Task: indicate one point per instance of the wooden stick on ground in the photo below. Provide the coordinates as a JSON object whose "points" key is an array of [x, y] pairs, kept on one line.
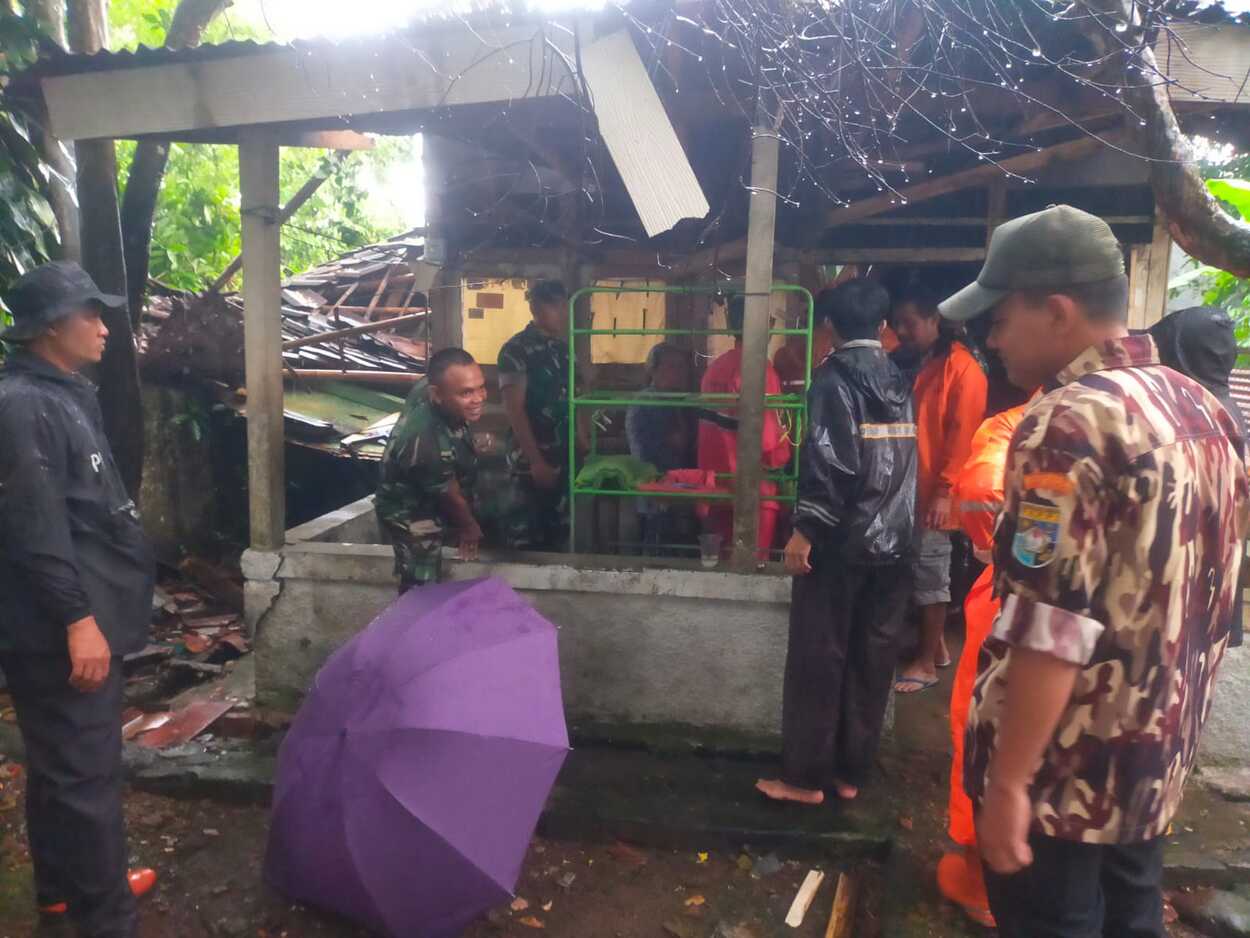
{"points": [[803, 901], [842, 921]]}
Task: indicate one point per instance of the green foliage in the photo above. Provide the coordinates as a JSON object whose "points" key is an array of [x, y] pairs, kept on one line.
{"points": [[1219, 287], [196, 231], [28, 234]]}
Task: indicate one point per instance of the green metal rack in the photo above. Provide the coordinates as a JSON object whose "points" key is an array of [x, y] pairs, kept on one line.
{"points": [[795, 403]]}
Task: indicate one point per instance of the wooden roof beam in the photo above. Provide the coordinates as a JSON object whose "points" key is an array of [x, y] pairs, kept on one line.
{"points": [[968, 178]]}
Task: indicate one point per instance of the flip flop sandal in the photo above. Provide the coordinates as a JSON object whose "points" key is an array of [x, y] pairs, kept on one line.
{"points": [[943, 665], [920, 684]]}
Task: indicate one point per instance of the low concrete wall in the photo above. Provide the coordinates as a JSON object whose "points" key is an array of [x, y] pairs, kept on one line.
{"points": [[643, 646]]}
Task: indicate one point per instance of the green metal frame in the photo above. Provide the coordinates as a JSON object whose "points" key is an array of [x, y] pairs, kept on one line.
{"points": [[620, 400]]}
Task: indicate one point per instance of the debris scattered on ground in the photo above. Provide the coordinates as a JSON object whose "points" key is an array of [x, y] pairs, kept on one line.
{"points": [[767, 865], [186, 723], [531, 922], [842, 918], [695, 901], [626, 854], [803, 899], [519, 904]]}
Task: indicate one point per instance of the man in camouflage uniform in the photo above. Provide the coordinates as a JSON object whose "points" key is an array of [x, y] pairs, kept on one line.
{"points": [[534, 381], [1117, 558], [429, 469]]}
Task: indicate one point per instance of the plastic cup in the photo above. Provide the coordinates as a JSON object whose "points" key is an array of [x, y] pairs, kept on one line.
{"points": [[709, 549]]}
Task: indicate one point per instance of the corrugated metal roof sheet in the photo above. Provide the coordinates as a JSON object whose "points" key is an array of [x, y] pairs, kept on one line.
{"points": [[644, 146]]}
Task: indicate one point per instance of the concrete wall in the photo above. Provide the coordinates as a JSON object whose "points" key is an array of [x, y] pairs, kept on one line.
{"points": [[644, 647]]}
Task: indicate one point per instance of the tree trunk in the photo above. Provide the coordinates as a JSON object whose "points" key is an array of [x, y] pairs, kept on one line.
{"points": [[143, 185], [102, 257], [1193, 216], [59, 155]]}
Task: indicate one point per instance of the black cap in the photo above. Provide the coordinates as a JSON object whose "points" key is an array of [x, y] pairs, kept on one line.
{"points": [[48, 293]]}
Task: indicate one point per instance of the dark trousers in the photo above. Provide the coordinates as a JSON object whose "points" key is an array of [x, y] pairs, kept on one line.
{"points": [[74, 792], [1075, 890], [846, 624]]}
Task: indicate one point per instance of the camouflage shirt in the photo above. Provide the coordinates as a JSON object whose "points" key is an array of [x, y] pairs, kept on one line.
{"points": [[423, 455], [1117, 551], [543, 364]]}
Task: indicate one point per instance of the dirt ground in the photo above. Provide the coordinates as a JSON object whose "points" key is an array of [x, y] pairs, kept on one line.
{"points": [[210, 858]]}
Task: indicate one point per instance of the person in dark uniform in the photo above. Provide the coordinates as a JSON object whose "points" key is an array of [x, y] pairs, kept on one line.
{"points": [[429, 469], [534, 384], [75, 596]]}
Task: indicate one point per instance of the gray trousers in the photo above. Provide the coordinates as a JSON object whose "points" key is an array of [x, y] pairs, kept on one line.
{"points": [[74, 792]]}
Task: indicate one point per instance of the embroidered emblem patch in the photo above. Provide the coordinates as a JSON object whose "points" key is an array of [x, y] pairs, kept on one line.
{"points": [[1055, 482], [1037, 535]]}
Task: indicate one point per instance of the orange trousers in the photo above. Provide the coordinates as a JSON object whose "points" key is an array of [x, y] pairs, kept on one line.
{"points": [[980, 610]]}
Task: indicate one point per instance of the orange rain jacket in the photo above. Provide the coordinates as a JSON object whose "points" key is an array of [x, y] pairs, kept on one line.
{"points": [[950, 405], [978, 497]]}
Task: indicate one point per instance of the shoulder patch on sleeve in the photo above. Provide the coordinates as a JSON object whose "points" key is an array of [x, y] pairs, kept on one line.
{"points": [[1037, 535]]}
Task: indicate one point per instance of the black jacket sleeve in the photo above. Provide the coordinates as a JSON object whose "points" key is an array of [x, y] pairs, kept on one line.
{"points": [[34, 523], [829, 462]]}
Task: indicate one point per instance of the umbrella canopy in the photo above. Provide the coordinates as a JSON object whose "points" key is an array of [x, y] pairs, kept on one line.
{"points": [[411, 781]]}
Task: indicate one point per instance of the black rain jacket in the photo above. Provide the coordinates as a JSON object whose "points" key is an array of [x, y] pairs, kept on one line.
{"points": [[70, 536], [857, 466]]}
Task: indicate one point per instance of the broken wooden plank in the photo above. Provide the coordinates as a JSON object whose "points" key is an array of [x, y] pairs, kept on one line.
{"points": [[842, 920], [378, 326], [199, 667], [149, 655], [210, 622], [803, 900]]}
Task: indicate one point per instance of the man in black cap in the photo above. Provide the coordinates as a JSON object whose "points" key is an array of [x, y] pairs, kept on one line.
{"points": [[75, 596], [1116, 555]]}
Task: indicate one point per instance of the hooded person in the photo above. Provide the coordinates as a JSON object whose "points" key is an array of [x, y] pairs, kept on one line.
{"points": [[850, 554], [1201, 343]]}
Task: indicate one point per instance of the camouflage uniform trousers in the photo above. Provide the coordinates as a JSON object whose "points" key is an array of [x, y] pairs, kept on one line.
{"points": [[536, 518], [418, 547]]}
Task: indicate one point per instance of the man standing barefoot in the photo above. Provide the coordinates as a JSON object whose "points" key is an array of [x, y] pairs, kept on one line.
{"points": [[850, 553]]}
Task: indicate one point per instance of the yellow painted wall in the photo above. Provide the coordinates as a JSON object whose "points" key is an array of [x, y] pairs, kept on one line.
{"points": [[484, 336], [626, 311]]}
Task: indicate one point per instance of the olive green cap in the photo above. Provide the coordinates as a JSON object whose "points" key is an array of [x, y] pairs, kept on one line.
{"points": [[1048, 250]]}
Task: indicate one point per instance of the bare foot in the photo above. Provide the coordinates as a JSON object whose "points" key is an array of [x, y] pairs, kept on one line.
{"points": [[846, 792], [915, 678], [780, 791]]}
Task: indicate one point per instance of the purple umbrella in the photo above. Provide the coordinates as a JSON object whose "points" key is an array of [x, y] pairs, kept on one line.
{"points": [[412, 779]]}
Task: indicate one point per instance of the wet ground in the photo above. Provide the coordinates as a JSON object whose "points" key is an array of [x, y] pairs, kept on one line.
{"points": [[709, 859]]}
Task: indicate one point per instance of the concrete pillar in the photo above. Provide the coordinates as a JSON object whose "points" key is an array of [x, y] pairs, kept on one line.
{"points": [[262, 321]]}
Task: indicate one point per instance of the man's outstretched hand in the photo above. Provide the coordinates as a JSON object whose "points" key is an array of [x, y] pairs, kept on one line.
{"points": [[89, 655]]}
